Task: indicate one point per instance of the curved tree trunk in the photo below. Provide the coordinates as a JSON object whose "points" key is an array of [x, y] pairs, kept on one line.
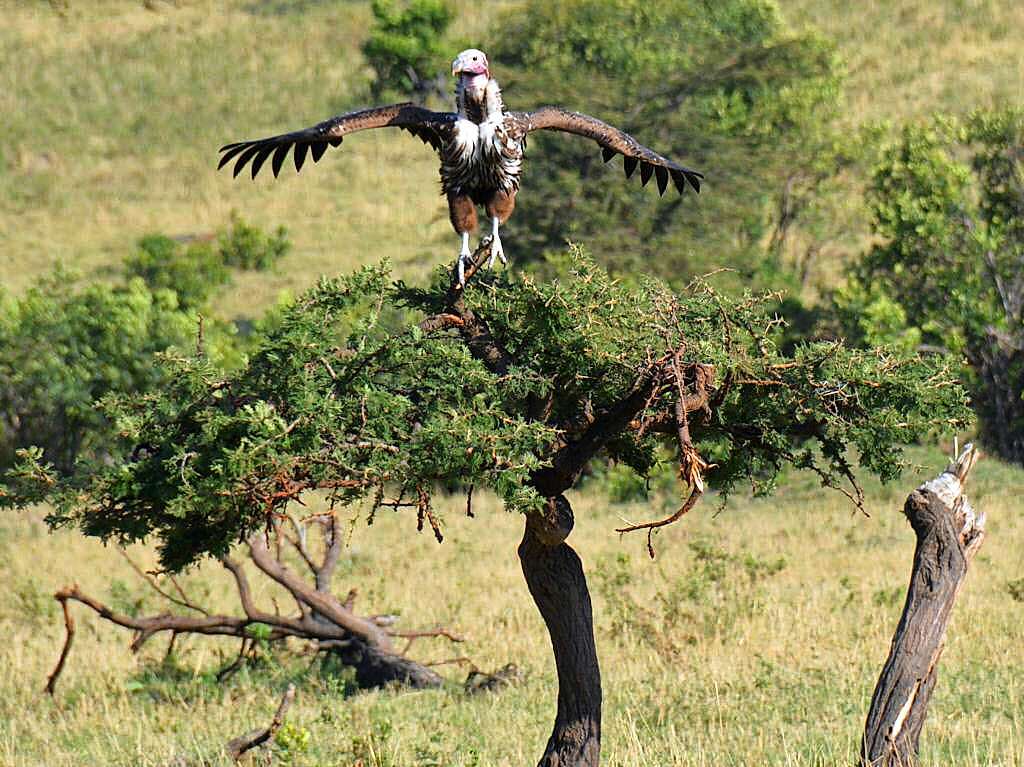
{"points": [[554, 575], [949, 534]]}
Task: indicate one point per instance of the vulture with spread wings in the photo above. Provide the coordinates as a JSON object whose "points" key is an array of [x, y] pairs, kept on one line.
{"points": [[480, 145]]}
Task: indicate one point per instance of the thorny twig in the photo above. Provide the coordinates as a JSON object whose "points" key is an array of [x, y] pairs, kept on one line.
{"points": [[148, 578]]}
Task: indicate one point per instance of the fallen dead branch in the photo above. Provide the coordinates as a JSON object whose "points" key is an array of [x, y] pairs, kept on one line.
{"points": [[364, 642]]}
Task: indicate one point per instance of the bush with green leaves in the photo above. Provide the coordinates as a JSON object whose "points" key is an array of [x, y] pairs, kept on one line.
{"points": [[947, 201], [193, 272], [406, 46], [368, 389], [244, 246], [726, 88], [65, 345], [198, 269]]}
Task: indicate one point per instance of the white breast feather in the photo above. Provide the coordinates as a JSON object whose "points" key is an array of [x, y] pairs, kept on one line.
{"points": [[486, 154], [467, 138]]}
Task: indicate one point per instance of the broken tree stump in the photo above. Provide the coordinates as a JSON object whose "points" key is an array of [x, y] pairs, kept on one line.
{"points": [[949, 534]]}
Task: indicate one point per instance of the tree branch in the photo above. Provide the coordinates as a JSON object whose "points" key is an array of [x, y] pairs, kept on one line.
{"points": [[238, 746], [321, 602]]}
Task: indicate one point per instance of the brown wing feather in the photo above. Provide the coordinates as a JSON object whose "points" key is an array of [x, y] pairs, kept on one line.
{"points": [[431, 127], [613, 141]]}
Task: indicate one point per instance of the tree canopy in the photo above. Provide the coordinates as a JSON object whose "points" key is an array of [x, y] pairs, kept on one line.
{"points": [[65, 344], [727, 88], [368, 389], [947, 202]]}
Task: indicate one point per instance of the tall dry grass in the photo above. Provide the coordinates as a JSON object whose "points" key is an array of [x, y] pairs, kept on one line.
{"points": [[755, 638]]}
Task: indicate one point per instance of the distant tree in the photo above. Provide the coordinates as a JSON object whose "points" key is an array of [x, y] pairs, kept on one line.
{"points": [[368, 390], [947, 201], [406, 45], [725, 87]]}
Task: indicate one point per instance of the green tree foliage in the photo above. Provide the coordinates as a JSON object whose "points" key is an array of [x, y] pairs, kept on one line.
{"points": [[65, 345], [364, 389], [406, 45], [725, 88], [947, 201], [244, 246], [193, 272]]}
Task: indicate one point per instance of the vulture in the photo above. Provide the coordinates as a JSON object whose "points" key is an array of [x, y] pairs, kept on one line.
{"points": [[480, 145]]}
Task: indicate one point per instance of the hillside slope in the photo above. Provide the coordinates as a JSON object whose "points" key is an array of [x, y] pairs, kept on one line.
{"points": [[113, 114]]}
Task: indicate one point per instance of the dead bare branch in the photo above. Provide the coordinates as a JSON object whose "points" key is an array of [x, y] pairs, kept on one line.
{"points": [[650, 527], [238, 746], [364, 642], [69, 627]]}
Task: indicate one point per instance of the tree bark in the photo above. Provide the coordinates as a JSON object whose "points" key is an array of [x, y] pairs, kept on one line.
{"points": [[948, 536], [554, 575]]}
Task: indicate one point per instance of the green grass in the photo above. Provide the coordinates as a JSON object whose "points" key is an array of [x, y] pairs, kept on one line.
{"points": [[746, 666], [909, 58], [113, 114]]}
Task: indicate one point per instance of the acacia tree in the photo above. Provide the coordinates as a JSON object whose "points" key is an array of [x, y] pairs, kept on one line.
{"points": [[368, 390]]}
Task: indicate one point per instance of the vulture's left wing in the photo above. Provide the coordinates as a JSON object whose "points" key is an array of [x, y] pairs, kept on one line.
{"points": [[613, 141], [431, 127]]}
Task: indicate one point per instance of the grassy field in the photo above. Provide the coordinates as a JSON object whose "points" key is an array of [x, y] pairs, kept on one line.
{"points": [[755, 638], [912, 57], [112, 114]]}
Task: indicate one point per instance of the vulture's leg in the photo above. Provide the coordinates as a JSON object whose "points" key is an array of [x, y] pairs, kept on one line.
{"points": [[462, 212], [499, 208]]}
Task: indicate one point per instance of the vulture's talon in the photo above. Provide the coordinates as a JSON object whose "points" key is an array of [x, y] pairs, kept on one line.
{"points": [[496, 250]]}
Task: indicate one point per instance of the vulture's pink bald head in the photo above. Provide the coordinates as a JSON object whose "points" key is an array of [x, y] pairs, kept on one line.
{"points": [[471, 65], [471, 62]]}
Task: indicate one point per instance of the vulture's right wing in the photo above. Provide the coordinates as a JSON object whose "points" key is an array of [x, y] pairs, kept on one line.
{"points": [[430, 127], [613, 141]]}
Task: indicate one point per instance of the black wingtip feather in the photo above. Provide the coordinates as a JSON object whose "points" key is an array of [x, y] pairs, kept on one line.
{"points": [[678, 180], [607, 153], [662, 173], [279, 155], [300, 155], [260, 158], [629, 164], [646, 170], [232, 151], [694, 179], [243, 159], [317, 150]]}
